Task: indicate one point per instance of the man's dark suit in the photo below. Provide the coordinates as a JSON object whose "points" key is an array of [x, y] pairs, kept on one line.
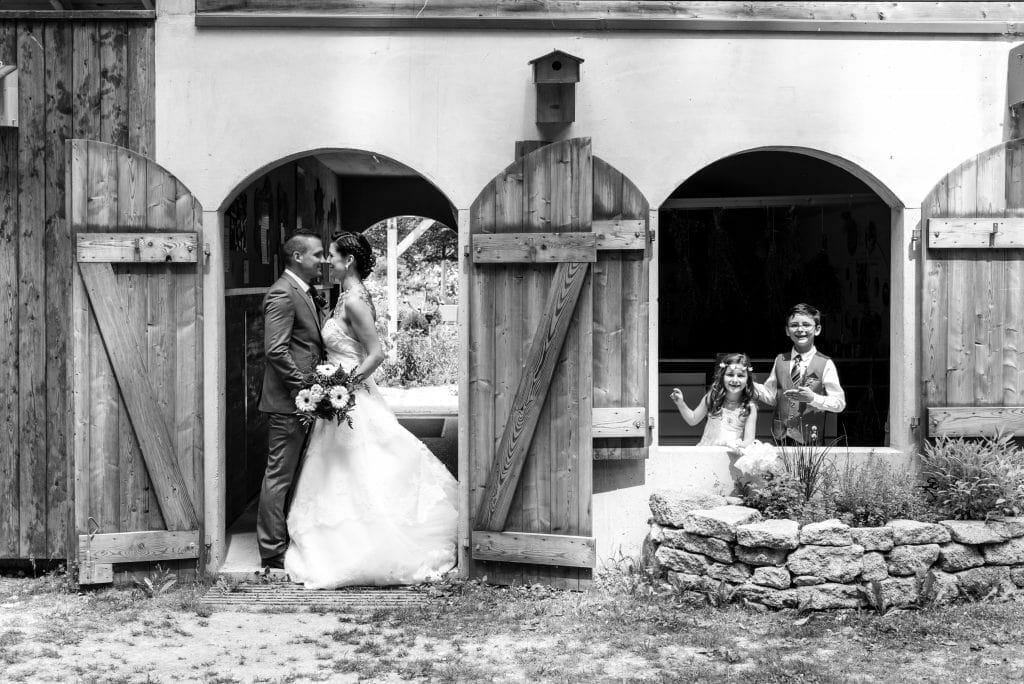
{"points": [[293, 347]]}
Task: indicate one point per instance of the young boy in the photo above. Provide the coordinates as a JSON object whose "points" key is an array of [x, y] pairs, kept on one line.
{"points": [[807, 379]]}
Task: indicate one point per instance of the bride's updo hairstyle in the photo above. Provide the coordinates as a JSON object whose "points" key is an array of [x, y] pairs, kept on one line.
{"points": [[356, 245]]}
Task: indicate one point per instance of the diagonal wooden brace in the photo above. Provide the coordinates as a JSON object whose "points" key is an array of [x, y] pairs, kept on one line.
{"points": [[530, 394]]}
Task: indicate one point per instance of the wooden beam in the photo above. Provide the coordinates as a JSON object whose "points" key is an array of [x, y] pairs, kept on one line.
{"points": [[540, 549], [947, 18], [59, 5], [976, 233], [154, 436], [621, 234], [78, 15], [551, 248], [975, 421], [138, 247], [530, 394], [770, 201], [414, 235], [627, 421], [140, 547]]}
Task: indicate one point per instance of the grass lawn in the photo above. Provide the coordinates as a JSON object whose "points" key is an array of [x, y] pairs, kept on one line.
{"points": [[620, 630]]}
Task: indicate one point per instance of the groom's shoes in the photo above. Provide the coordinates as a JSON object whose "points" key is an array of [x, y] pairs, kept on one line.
{"points": [[274, 563]]}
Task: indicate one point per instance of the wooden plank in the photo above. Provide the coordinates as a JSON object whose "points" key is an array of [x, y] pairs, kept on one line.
{"points": [[141, 88], [751, 202], [79, 363], [975, 421], [990, 200], [621, 234], [976, 233], [106, 401], [140, 397], [78, 16], [512, 307], [607, 309], [9, 513], [113, 39], [635, 320], [59, 273], [179, 248], [188, 363], [951, 18], [141, 547], [537, 372], [934, 307], [86, 79], [626, 421], [548, 248], [542, 549], [1013, 283], [961, 198], [32, 289]]}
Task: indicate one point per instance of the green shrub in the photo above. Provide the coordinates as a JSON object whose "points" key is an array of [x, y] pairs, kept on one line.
{"points": [[779, 496], [873, 492], [974, 479], [430, 358]]}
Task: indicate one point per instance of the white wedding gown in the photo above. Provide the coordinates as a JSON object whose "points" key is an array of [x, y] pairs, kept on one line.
{"points": [[372, 505]]}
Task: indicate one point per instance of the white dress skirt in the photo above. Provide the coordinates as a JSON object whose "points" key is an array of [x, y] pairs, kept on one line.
{"points": [[372, 505]]}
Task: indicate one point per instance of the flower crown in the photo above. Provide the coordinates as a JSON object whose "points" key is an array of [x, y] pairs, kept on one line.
{"points": [[722, 364]]}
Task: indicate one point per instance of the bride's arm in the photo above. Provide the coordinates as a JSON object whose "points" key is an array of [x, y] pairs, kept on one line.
{"points": [[360, 317]]}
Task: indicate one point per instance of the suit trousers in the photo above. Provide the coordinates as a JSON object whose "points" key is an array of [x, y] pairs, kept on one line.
{"points": [[286, 440]]}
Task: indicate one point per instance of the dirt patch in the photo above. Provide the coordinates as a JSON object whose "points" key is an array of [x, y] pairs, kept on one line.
{"points": [[51, 632]]}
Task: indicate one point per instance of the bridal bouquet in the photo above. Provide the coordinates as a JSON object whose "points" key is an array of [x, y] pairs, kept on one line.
{"points": [[330, 394]]}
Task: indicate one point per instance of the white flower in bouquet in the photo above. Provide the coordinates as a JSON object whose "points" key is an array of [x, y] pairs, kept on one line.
{"points": [[304, 401], [758, 458], [317, 393], [338, 396], [326, 369]]}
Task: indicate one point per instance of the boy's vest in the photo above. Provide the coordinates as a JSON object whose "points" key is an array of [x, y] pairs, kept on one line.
{"points": [[794, 419]]}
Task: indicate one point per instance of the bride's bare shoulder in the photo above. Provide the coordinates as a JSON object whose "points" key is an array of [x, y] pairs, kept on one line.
{"points": [[358, 298]]}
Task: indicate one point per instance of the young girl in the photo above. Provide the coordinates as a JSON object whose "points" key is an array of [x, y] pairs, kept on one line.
{"points": [[729, 405]]}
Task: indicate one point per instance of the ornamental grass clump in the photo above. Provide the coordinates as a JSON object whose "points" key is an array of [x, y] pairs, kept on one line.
{"points": [[974, 479]]}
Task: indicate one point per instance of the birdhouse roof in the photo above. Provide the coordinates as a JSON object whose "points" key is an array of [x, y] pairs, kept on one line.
{"points": [[557, 53]]}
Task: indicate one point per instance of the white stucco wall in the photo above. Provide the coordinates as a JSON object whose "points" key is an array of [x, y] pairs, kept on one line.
{"points": [[659, 107]]}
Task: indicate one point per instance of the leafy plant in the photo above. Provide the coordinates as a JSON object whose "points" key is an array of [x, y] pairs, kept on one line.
{"points": [[158, 582], [780, 496], [873, 492], [430, 358], [972, 479], [721, 595]]}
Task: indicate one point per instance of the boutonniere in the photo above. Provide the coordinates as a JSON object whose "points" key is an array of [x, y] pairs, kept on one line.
{"points": [[318, 298]]}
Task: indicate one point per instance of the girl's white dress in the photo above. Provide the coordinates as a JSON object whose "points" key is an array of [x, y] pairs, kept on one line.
{"points": [[725, 429], [372, 505]]}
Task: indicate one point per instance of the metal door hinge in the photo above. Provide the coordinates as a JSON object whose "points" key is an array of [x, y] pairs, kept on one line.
{"points": [[915, 424], [915, 238], [651, 234]]}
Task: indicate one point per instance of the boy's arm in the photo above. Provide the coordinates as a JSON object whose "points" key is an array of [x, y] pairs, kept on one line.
{"points": [[767, 392], [834, 399]]}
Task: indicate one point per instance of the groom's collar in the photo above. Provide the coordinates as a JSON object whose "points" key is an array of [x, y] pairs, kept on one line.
{"points": [[303, 285]]}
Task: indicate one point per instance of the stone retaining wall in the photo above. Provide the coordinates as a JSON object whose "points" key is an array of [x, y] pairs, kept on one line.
{"points": [[699, 540]]}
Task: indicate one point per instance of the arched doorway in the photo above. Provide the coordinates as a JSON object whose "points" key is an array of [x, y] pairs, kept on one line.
{"points": [[743, 240], [321, 192]]}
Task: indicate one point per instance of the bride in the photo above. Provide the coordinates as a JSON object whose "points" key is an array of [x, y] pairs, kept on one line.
{"points": [[372, 505]]}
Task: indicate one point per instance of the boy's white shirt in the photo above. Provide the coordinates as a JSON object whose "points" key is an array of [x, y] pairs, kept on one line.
{"points": [[834, 399]]}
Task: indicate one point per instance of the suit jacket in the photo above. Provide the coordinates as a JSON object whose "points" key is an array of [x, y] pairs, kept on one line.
{"points": [[291, 342]]}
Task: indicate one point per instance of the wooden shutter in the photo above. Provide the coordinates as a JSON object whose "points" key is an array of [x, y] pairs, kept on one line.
{"points": [[136, 364], [535, 252], [973, 296]]}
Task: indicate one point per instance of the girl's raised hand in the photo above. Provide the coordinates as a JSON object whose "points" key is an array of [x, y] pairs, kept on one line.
{"points": [[676, 396]]}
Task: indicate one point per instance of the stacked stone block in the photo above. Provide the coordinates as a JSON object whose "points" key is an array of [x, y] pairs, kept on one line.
{"points": [[699, 540]]}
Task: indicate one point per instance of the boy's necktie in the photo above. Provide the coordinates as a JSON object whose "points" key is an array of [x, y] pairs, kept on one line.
{"points": [[794, 371]]}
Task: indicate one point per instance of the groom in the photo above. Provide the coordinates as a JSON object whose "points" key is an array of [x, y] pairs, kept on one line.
{"points": [[293, 347]]}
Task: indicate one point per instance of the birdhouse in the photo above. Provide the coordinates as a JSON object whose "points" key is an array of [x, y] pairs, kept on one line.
{"points": [[556, 75]]}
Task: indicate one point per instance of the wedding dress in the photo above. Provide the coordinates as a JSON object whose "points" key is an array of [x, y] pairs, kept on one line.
{"points": [[372, 505]]}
